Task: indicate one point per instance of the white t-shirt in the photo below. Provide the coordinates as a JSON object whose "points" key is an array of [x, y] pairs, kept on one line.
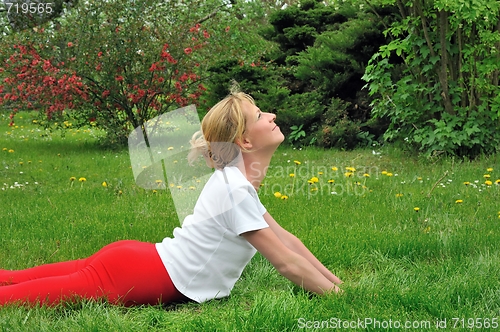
{"points": [[207, 255]]}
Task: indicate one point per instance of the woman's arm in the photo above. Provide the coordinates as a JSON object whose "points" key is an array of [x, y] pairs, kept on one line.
{"points": [[290, 264], [294, 244]]}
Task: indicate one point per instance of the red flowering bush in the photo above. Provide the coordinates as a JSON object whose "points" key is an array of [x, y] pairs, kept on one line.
{"points": [[116, 64]]}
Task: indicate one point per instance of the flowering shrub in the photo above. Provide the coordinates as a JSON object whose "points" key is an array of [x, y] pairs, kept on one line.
{"points": [[114, 64]]}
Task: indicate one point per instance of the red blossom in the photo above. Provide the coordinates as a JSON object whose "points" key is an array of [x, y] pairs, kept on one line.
{"points": [[188, 50], [70, 44], [119, 78], [206, 34], [227, 28]]}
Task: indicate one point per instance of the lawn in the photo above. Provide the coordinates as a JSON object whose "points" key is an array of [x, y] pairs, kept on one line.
{"points": [[416, 240]]}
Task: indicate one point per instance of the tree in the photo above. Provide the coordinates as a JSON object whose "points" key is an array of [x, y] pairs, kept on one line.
{"points": [[444, 96], [134, 61]]}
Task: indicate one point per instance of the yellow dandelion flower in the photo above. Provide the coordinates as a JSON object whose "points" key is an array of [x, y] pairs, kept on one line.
{"points": [[277, 194], [192, 188], [172, 185], [11, 151], [467, 183], [384, 172], [155, 191], [458, 201], [297, 162], [486, 176], [389, 174], [497, 181], [104, 184], [292, 175], [82, 179], [314, 179], [72, 178], [120, 192], [427, 229], [416, 209], [284, 197], [350, 169], [314, 189], [399, 195], [488, 182], [366, 175], [348, 174], [21, 163], [4, 149], [331, 181], [320, 173], [158, 182], [334, 169], [170, 148], [419, 179], [489, 169]]}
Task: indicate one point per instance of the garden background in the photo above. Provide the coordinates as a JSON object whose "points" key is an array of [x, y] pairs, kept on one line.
{"points": [[389, 172]]}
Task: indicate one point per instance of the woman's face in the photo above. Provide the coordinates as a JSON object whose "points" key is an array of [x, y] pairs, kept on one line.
{"points": [[261, 130]]}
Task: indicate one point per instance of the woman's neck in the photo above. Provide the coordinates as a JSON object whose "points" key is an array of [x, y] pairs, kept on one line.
{"points": [[255, 168]]}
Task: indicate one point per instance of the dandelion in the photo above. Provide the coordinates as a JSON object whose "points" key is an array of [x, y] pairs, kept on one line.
{"points": [[416, 209], [284, 197], [419, 179], [179, 187], [4, 149], [488, 182], [489, 169], [331, 181], [11, 151], [104, 184], [486, 176], [467, 183], [350, 169], [399, 195], [170, 148], [384, 172], [320, 173], [292, 175], [277, 194], [314, 179], [192, 188], [348, 174], [334, 169], [297, 162], [366, 175], [427, 229], [155, 191], [82, 179], [72, 179], [21, 163], [459, 201], [497, 181], [389, 174], [120, 192]]}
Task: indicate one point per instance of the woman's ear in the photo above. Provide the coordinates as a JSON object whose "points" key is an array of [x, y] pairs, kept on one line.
{"points": [[244, 143]]}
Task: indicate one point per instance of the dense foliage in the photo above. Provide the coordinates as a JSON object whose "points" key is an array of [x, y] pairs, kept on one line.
{"points": [[442, 94], [338, 74]]}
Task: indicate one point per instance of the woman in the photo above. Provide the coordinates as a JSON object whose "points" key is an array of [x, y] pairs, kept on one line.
{"points": [[206, 256]]}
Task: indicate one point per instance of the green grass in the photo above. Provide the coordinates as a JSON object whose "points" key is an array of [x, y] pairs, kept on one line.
{"points": [[399, 265]]}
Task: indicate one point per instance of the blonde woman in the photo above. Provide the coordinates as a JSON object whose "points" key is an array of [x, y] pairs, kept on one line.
{"points": [[206, 256]]}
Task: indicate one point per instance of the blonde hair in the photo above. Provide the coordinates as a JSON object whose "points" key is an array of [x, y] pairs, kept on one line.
{"points": [[221, 129]]}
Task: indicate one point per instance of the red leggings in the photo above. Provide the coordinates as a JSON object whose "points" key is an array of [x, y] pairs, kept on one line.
{"points": [[125, 272]]}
